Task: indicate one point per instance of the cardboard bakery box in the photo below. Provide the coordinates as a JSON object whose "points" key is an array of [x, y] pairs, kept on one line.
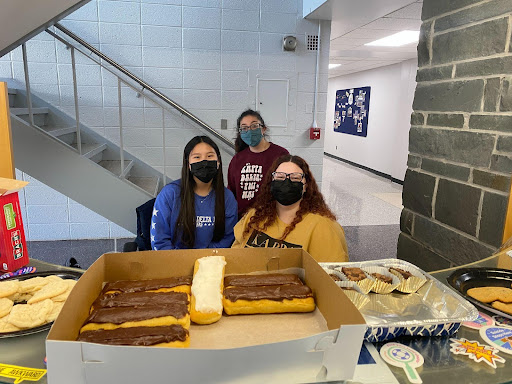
{"points": [[13, 247], [286, 348]]}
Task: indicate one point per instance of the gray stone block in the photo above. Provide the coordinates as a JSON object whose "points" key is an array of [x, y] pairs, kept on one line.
{"points": [[418, 191], [501, 163], [457, 205], [463, 96], [480, 12], [446, 120], [445, 169], [436, 73], [506, 96], [485, 67], [472, 148], [413, 161], [437, 7], [491, 122], [417, 118], [461, 44], [452, 245], [406, 221], [491, 180], [504, 144], [491, 93], [418, 254], [424, 44], [492, 222]]}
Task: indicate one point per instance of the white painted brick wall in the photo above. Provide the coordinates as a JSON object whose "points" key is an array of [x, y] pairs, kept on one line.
{"points": [[200, 53]]}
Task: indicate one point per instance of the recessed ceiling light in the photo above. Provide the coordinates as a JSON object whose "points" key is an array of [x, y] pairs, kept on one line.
{"points": [[397, 40], [332, 66]]}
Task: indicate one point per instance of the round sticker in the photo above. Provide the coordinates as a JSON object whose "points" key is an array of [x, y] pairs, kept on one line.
{"points": [[498, 337], [482, 320], [404, 357]]}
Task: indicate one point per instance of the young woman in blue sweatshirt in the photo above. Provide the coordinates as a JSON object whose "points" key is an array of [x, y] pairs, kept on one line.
{"points": [[196, 211]]}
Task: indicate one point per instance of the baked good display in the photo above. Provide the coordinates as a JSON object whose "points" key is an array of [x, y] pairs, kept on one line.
{"points": [[207, 286], [410, 280], [383, 278], [141, 312], [32, 302], [358, 276], [266, 295], [384, 281]]}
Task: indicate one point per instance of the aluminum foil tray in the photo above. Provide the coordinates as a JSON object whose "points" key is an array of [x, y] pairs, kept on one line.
{"points": [[434, 310]]}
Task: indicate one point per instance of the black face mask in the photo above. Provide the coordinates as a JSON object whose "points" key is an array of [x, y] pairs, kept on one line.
{"points": [[204, 170], [286, 192]]}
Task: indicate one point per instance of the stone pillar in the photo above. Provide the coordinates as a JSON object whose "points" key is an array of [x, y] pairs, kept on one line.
{"points": [[457, 184]]}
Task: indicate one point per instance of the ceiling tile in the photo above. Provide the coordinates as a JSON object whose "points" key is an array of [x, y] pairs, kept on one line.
{"points": [[412, 11], [393, 24]]}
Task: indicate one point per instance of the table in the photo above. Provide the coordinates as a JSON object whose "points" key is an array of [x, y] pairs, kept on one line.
{"points": [[441, 366]]}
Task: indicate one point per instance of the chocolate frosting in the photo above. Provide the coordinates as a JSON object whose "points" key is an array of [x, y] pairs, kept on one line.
{"points": [[269, 292], [147, 285], [118, 315], [141, 336], [259, 280], [405, 274], [139, 299], [354, 273]]}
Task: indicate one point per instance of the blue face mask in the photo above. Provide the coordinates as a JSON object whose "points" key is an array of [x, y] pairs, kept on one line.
{"points": [[252, 137]]}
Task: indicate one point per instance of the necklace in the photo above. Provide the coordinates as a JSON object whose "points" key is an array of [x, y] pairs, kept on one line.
{"points": [[204, 199]]}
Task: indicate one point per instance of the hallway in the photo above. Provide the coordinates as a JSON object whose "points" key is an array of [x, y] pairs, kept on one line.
{"points": [[367, 206]]}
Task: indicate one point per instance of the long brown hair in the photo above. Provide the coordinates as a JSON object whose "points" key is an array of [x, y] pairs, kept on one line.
{"points": [[186, 223], [265, 205], [240, 145]]}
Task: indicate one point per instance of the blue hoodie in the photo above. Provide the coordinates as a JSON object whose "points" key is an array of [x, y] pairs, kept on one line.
{"points": [[166, 211]]}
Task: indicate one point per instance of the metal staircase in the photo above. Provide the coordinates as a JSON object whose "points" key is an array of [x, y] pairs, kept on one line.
{"points": [[62, 152]]}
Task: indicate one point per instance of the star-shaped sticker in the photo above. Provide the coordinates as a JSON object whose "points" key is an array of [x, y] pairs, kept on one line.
{"points": [[475, 351], [155, 212]]}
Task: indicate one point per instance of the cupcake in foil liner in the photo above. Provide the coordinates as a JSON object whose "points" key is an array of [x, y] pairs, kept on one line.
{"points": [[410, 284], [381, 286], [354, 293], [365, 284]]}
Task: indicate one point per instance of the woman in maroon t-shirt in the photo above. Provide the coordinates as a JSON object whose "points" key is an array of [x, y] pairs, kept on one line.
{"points": [[253, 158]]}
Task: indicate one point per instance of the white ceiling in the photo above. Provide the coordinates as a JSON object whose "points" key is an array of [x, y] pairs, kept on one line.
{"points": [[353, 26]]}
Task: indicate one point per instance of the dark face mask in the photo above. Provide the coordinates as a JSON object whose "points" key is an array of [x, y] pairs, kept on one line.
{"points": [[286, 192], [204, 170]]}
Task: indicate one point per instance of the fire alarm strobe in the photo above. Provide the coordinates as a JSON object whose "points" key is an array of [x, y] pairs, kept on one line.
{"points": [[289, 43]]}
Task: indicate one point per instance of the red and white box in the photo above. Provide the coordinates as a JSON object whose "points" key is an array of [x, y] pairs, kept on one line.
{"points": [[13, 247]]}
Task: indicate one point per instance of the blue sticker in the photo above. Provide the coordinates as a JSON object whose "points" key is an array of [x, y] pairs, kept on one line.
{"points": [[498, 337]]}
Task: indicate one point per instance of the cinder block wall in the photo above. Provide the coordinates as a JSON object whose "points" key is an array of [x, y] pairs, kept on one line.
{"points": [[457, 184], [204, 55]]}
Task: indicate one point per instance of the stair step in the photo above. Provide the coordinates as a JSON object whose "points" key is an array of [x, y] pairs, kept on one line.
{"points": [[149, 184], [24, 111], [59, 131], [90, 150], [114, 166]]}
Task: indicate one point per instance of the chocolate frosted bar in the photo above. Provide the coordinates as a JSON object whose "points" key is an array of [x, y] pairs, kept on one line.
{"points": [[269, 292], [147, 285], [260, 280], [140, 336]]}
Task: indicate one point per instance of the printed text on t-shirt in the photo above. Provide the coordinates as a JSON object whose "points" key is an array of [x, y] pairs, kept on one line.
{"points": [[251, 176]]}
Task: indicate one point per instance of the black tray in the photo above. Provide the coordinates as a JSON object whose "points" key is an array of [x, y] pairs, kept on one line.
{"points": [[62, 274], [466, 278]]}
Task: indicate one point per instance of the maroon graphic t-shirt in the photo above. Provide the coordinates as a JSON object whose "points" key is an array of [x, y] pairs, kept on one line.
{"points": [[246, 172]]}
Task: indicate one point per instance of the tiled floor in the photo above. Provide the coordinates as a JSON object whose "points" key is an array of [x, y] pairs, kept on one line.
{"points": [[367, 206]]}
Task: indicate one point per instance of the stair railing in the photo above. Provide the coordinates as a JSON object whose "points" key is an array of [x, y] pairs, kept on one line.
{"points": [[156, 97]]}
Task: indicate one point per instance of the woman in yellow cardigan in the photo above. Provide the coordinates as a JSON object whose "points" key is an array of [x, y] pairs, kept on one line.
{"points": [[290, 212]]}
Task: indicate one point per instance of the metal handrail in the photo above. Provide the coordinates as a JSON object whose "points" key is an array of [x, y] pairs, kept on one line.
{"points": [[143, 84]]}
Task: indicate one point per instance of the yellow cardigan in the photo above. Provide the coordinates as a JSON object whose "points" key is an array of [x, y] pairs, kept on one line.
{"points": [[321, 237]]}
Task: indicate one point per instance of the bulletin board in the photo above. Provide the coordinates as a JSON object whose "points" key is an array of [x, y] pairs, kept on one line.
{"points": [[351, 111]]}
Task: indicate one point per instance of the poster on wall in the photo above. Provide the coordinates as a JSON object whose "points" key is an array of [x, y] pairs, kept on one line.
{"points": [[351, 110]]}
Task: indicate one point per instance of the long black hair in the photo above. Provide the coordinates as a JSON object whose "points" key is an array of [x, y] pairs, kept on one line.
{"points": [[186, 223], [240, 145]]}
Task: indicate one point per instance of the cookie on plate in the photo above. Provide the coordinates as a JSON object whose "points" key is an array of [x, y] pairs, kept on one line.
{"points": [[490, 294]]}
